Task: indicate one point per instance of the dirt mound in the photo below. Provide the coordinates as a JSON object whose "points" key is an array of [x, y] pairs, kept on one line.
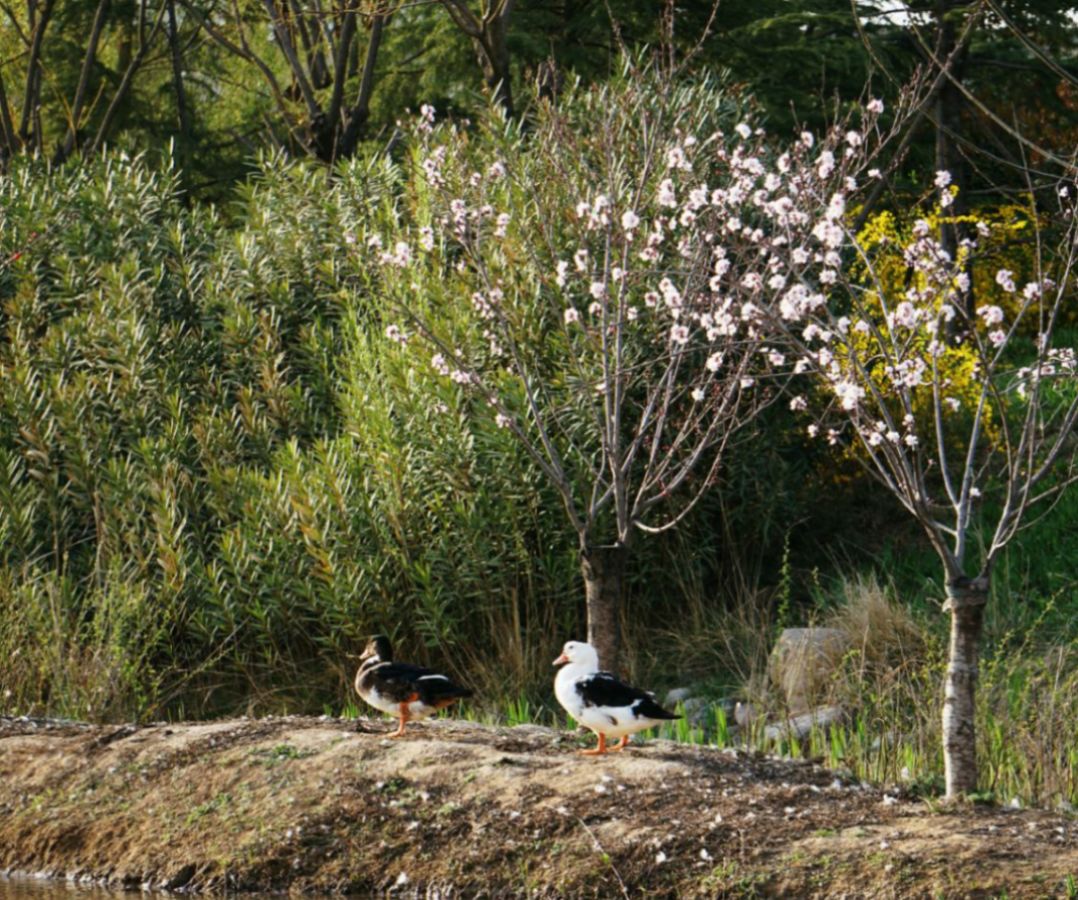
{"points": [[461, 810]]}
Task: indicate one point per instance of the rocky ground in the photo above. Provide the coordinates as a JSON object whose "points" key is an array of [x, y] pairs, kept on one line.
{"points": [[463, 810]]}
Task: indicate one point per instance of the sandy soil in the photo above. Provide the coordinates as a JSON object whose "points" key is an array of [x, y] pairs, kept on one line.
{"points": [[461, 810]]}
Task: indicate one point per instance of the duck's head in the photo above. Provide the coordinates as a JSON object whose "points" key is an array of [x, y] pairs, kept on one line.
{"points": [[578, 653], [378, 647]]}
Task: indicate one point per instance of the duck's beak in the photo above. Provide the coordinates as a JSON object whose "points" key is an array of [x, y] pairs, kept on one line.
{"points": [[560, 660]]}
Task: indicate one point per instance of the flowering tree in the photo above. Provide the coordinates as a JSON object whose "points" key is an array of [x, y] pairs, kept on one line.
{"points": [[599, 289], [965, 415]]}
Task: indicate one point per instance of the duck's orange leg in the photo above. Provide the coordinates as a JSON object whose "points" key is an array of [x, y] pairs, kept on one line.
{"points": [[622, 744], [403, 716], [595, 751]]}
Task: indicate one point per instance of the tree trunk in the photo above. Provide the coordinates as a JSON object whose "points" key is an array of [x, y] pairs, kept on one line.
{"points": [[494, 59], [176, 54], [966, 600], [356, 117], [604, 577]]}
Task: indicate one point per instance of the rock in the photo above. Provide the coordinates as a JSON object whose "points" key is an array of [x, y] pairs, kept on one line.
{"points": [[800, 726], [802, 663], [674, 696]]}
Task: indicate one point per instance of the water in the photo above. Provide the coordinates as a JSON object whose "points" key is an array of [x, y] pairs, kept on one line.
{"points": [[50, 889]]}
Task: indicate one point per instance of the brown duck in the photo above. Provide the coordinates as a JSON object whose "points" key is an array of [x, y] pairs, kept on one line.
{"points": [[408, 692]]}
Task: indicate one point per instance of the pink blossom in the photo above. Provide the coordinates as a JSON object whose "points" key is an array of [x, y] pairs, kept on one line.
{"points": [[629, 220], [679, 334], [1005, 279], [874, 106], [676, 159], [992, 315], [905, 314], [571, 315], [698, 198], [798, 403], [667, 195], [849, 394]]}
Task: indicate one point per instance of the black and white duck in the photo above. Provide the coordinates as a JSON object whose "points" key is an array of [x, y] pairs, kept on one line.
{"points": [[600, 702], [408, 692]]}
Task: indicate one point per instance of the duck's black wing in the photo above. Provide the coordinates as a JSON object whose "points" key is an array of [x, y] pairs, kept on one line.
{"points": [[400, 681], [603, 689]]}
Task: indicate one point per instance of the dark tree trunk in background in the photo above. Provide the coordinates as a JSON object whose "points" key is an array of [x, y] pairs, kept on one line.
{"points": [[490, 34], [360, 111], [604, 579], [966, 599], [70, 142], [176, 55], [494, 59]]}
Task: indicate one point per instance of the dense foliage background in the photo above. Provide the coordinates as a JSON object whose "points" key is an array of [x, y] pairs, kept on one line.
{"points": [[217, 473]]}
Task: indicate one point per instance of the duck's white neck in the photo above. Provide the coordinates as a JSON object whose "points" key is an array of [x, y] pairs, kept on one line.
{"points": [[573, 671]]}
